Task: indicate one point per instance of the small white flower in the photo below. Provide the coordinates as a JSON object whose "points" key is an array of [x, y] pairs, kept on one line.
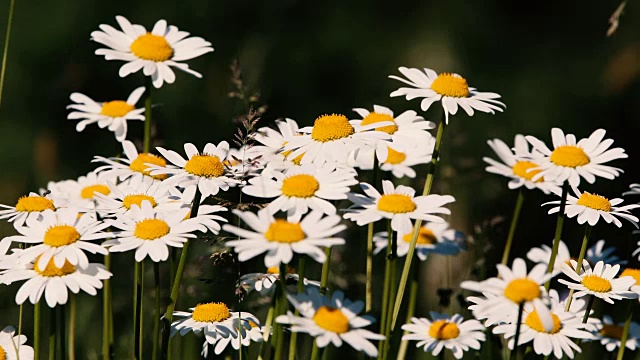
{"points": [[434, 238], [30, 207], [110, 114], [14, 347], [273, 142], [153, 52], [597, 252], [610, 334], [407, 126], [398, 204], [264, 282], [120, 198], [331, 319], [395, 156], [451, 89], [135, 168], [81, 193], [599, 281], [444, 331]]}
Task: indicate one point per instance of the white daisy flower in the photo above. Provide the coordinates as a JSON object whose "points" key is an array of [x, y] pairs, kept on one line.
{"points": [[52, 281], [206, 169], [570, 160], [152, 52], [507, 291], [243, 163], [516, 167], [30, 207], [407, 126], [151, 232], [397, 157], [635, 274], [590, 207], [63, 235], [219, 324], [398, 204], [597, 252], [610, 334], [120, 198], [110, 114], [551, 330], [264, 282], [598, 281], [331, 319], [252, 332], [135, 168], [273, 141], [14, 347], [298, 189], [434, 238], [332, 138], [280, 238], [81, 193], [444, 331], [451, 89]]}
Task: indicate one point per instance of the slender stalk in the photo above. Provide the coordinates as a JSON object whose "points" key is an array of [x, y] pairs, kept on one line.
{"points": [[416, 228], [516, 338], [156, 317], [316, 352], [175, 287], [294, 335], [369, 286], [413, 296], [588, 310], [386, 293], [625, 334], [324, 279], [19, 329], [283, 306], [52, 334], [558, 235], [5, 53], [391, 259], [512, 228], [36, 331], [72, 327], [106, 320], [63, 331], [137, 309], [147, 114], [267, 331], [583, 251]]}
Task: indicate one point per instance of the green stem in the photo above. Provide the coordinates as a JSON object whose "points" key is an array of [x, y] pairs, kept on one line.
{"points": [[512, 228], [19, 330], [175, 287], [370, 228], [294, 335], [147, 115], [62, 331], [137, 311], [72, 327], [386, 293], [267, 331], [324, 279], [52, 334], [416, 228], [106, 322], [413, 296], [391, 259], [316, 352], [558, 235], [283, 308], [156, 317], [36, 331], [625, 334], [516, 338], [592, 298], [6, 47], [583, 251]]}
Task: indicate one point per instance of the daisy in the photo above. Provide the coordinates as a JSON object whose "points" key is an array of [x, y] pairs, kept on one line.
{"points": [[120, 198], [206, 169], [610, 334], [444, 331], [434, 238], [397, 157], [112, 114], [570, 160], [516, 167], [599, 281], [398, 204], [331, 138], [550, 329], [590, 207], [407, 126], [13, 347], [263, 283], [64, 236], [252, 333], [30, 207], [597, 252], [219, 324], [151, 232], [634, 273], [273, 141], [243, 163], [298, 189], [331, 319], [280, 238], [452, 89], [153, 52], [135, 168], [51, 280], [81, 193]]}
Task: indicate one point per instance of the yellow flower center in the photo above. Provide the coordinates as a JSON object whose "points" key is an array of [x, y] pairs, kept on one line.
{"points": [[612, 331], [116, 108], [137, 199], [301, 185], [375, 117], [395, 157], [634, 273], [276, 270], [211, 312], [533, 321], [521, 290], [34, 203], [283, 231], [569, 156], [61, 235], [3, 354], [205, 166], [452, 85], [331, 127], [89, 191], [331, 319], [596, 283], [594, 201], [152, 47], [444, 330], [396, 203], [138, 164], [521, 169], [151, 229], [51, 270], [425, 237]]}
